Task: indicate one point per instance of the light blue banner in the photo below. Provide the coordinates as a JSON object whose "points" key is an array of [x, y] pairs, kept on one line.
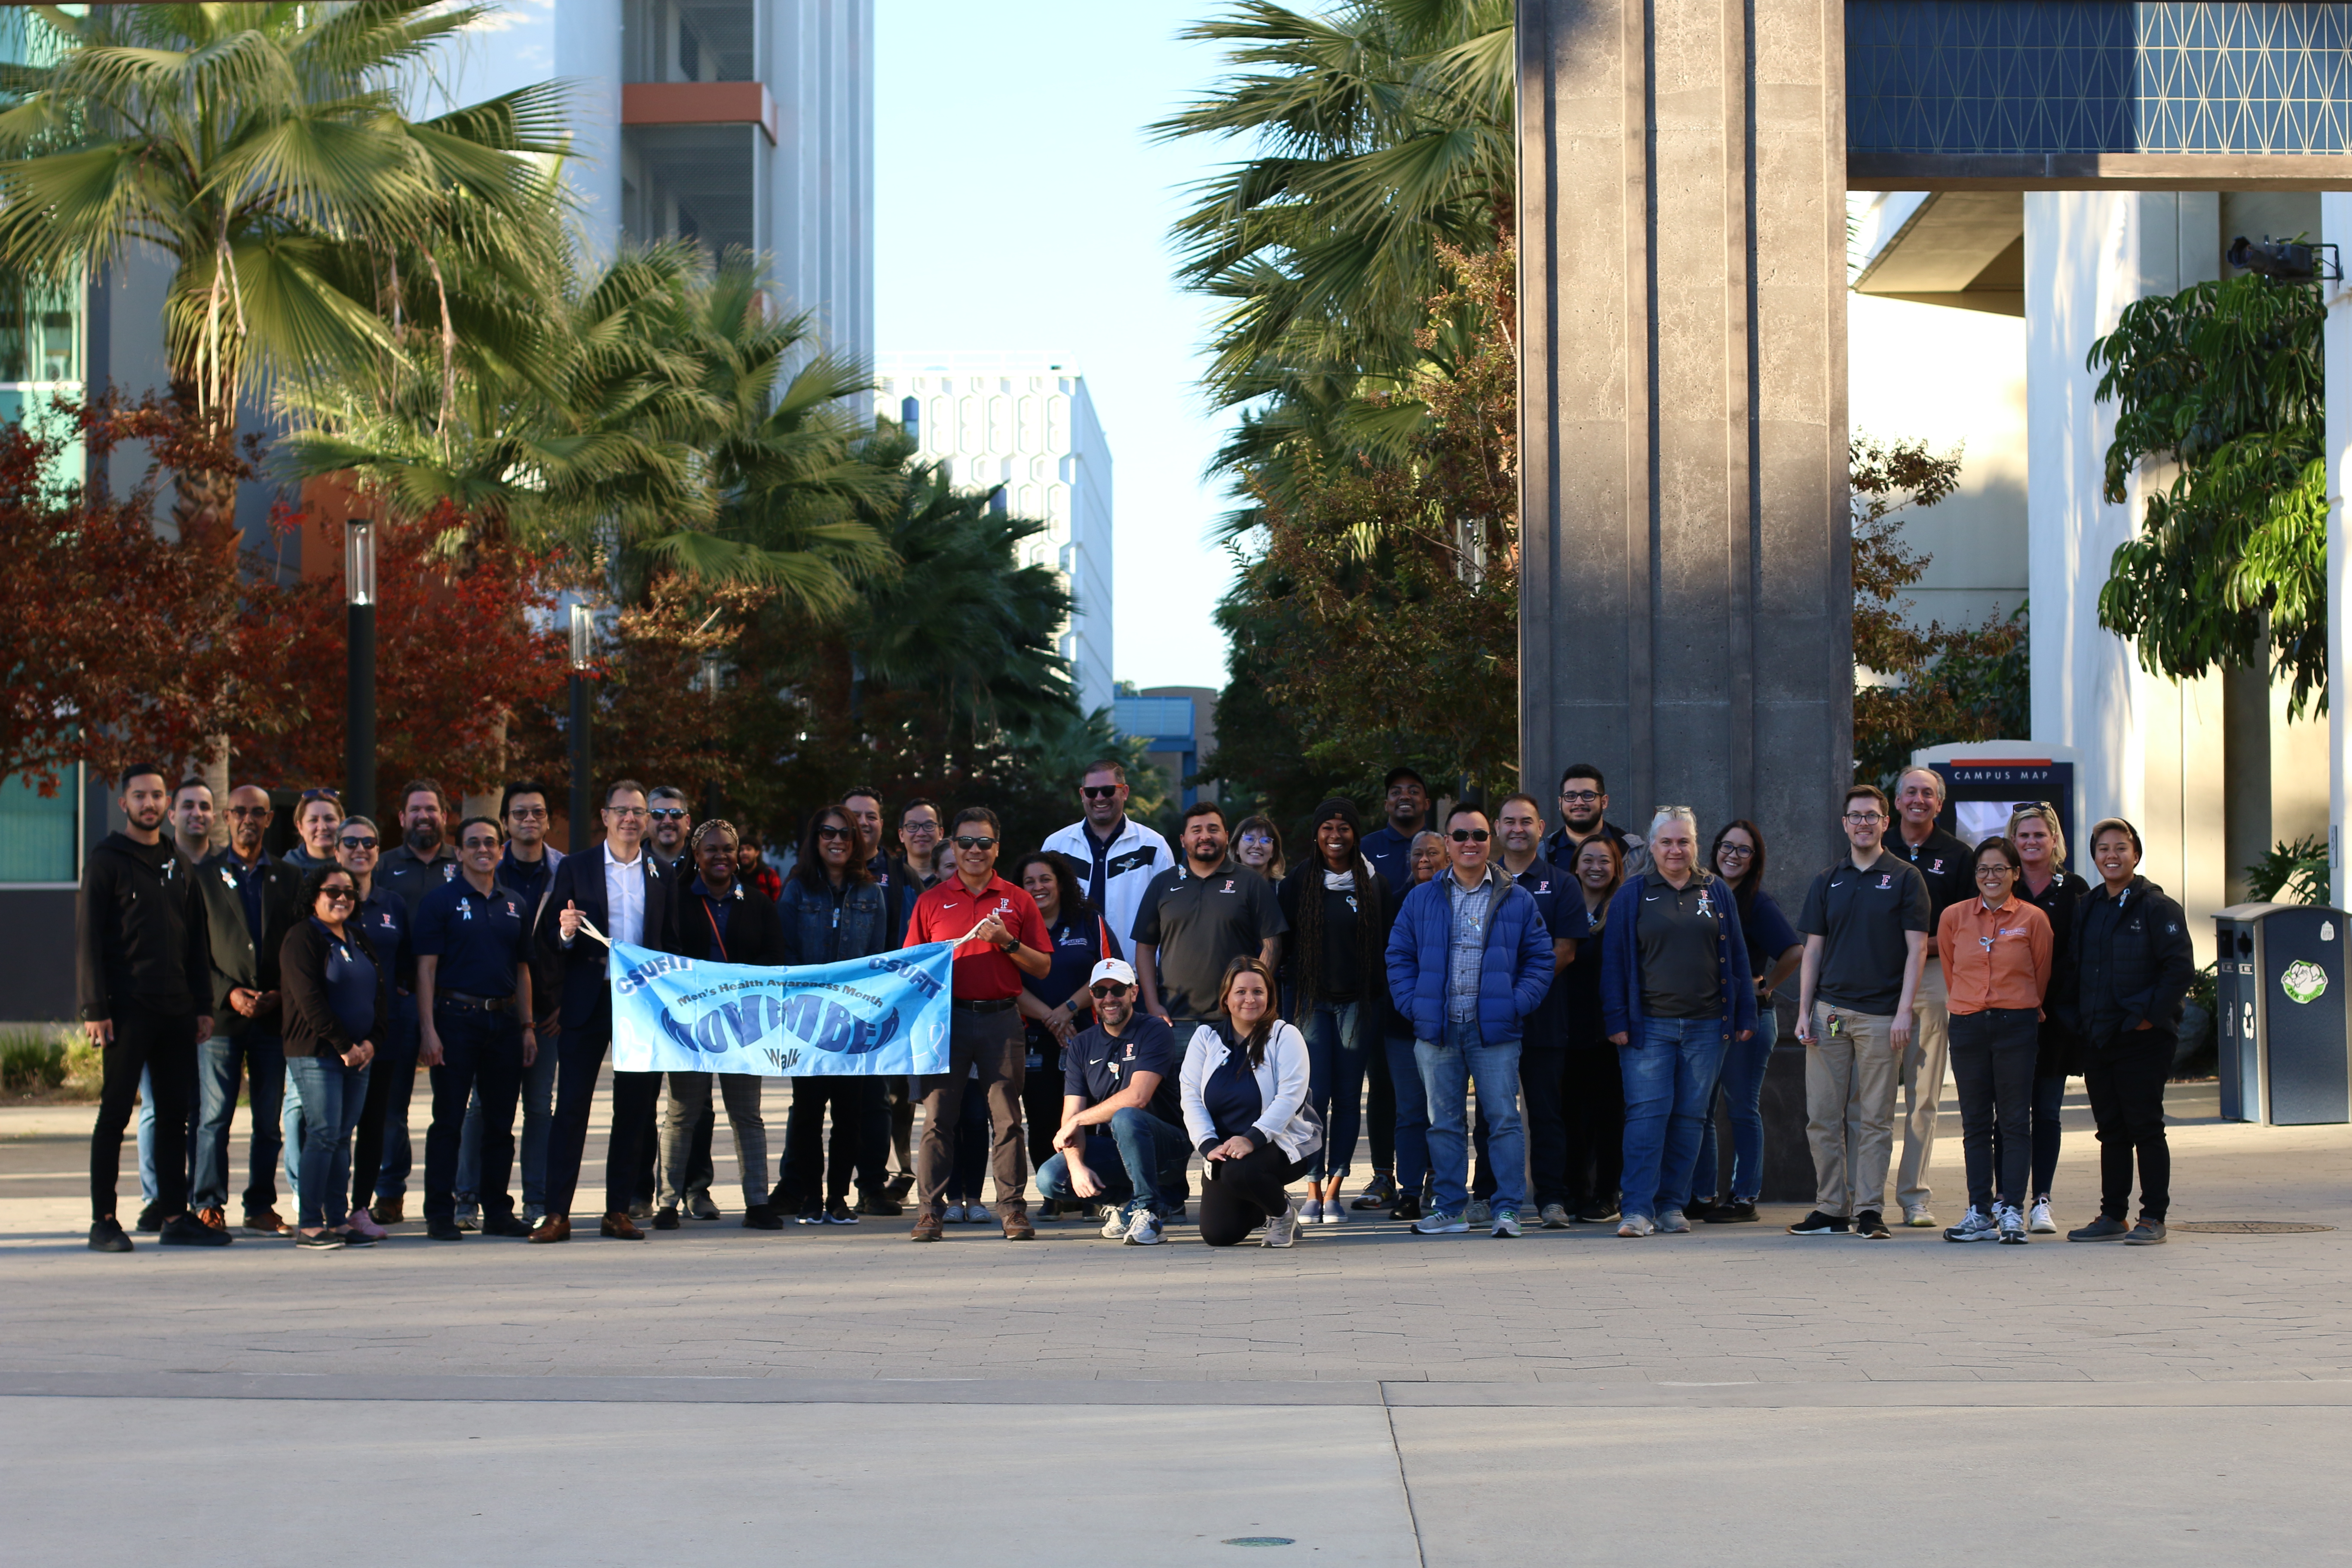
{"points": [[882, 1016]]}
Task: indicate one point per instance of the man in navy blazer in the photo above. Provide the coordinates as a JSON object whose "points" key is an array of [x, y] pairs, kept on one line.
{"points": [[624, 892]]}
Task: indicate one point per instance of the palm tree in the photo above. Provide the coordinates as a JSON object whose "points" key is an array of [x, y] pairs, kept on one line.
{"points": [[259, 148]]}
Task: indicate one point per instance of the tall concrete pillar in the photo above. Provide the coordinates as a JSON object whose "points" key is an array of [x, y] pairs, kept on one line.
{"points": [[1686, 594], [2335, 227]]}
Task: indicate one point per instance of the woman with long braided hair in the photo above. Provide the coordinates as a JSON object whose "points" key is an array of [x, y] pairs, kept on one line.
{"points": [[1338, 910]]}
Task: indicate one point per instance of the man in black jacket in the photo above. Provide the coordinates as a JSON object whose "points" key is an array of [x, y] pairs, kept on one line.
{"points": [[144, 977], [2133, 966], [249, 901]]}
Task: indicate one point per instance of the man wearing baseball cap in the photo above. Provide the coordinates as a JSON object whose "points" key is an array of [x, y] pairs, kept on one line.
{"points": [[1122, 1136]]}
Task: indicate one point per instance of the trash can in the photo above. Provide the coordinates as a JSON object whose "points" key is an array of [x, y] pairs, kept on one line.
{"points": [[2284, 1043]]}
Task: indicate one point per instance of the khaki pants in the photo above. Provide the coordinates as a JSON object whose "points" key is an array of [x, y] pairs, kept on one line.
{"points": [[1850, 1078], [1923, 1083]]}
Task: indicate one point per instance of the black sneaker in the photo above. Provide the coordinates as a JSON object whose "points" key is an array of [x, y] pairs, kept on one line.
{"points": [[811, 1214], [1700, 1208], [151, 1220], [1871, 1225], [325, 1241], [2101, 1229], [838, 1212], [1820, 1224], [1730, 1214], [1600, 1211], [187, 1230], [444, 1230], [880, 1204], [1408, 1207], [498, 1222], [759, 1216], [2146, 1232], [665, 1219], [105, 1236], [1380, 1193], [900, 1185]]}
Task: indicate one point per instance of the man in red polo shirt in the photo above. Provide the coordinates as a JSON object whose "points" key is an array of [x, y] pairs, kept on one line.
{"points": [[1000, 937]]}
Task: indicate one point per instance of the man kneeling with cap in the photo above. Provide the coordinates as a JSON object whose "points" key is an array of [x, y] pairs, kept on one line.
{"points": [[1122, 1136]]}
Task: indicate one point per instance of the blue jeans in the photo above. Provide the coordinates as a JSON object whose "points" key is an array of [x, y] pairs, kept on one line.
{"points": [[1744, 1062], [1140, 1164], [1411, 1114], [147, 1132], [538, 1111], [1669, 1074], [1338, 1041], [331, 1097], [221, 1061], [1447, 1071]]}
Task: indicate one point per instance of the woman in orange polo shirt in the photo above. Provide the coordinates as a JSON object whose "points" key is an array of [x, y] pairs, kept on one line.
{"points": [[1996, 953]]}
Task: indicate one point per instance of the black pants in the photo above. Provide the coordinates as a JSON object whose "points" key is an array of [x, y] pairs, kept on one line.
{"points": [[635, 1095], [1594, 1091], [1041, 1098], [899, 1124], [478, 1050], [2125, 1078], [144, 1040], [1992, 1055], [1543, 1080], [1380, 1112], [1239, 1195], [806, 1162]]}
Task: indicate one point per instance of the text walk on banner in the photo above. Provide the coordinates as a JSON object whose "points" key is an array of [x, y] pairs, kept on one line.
{"points": [[881, 1017]]}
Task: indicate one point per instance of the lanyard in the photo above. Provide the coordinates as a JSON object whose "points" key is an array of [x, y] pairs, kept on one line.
{"points": [[716, 934]]}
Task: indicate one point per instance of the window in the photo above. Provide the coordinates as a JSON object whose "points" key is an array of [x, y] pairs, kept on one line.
{"points": [[38, 837]]}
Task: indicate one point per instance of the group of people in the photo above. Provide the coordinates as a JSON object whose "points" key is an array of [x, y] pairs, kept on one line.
{"points": [[1528, 1027]]}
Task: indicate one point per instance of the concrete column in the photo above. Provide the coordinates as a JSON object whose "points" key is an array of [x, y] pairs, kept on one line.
{"points": [[1686, 592], [2335, 226]]}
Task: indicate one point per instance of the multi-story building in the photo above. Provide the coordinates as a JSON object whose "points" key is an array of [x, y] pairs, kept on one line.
{"points": [[1025, 422]]}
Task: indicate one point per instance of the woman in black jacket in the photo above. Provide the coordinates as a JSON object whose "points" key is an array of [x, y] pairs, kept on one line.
{"points": [[1335, 958], [2133, 965], [2049, 887], [721, 919], [334, 991]]}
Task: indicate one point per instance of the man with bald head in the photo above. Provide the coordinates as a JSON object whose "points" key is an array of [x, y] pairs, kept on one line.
{"points": [[1948, 867], [250, 900]]}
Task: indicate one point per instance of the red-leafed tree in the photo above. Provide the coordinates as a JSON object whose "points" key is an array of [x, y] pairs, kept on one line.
{"points": [[466, 646], [117, 643]]}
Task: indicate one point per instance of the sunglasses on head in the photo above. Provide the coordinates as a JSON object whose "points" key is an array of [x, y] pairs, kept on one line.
{"points": [[310, 794], [1469, 836], [968, 841], [356, 844]]}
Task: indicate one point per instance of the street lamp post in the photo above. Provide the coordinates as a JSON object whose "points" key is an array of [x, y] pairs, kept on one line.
{"points": [[582, 625], [358, 701]]}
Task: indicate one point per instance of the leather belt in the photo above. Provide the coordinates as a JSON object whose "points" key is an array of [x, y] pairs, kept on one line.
{"points": [[472, 1004], [984, 1003]]}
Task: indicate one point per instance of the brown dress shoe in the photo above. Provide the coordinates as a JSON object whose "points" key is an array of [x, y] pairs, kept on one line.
{"points": [[554, 1227], [212, 1218], [927, 1226], [620, 1228], [263, 1222], [1016, 1224], [386, 1210]]}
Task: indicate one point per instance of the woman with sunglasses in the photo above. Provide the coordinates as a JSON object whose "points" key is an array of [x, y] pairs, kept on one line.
{"points": [[1774, 950], [1055, 1005], [335, 992], [2053, 889], [1244, 1083], [1595, 1089], [1257, 844], [1675, 994], [832, 909], [1995, 949], [380, 1153]]}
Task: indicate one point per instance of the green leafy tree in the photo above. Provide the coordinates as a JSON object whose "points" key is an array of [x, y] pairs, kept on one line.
{"points": [[257, 147], [2228, 567]]}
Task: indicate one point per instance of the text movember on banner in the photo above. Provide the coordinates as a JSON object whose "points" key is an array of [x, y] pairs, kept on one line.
{"points": [[881, 1017]]}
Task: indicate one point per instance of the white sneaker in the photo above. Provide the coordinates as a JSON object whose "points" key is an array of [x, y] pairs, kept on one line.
{"points": [[1918, 1217], [1115, 1225], [1479, 1213], [1282, 1229], [1636, 1224], [1310, 1213], [2039, 1223], [1674, 1222], [1975, 1226], [1145, 1231], [2012, 1222]]}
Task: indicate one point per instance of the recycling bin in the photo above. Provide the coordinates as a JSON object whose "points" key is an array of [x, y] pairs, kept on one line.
{"points": [[2284, 1032]]}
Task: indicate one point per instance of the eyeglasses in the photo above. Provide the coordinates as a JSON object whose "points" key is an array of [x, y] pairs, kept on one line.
{"points": [[1994, 868], [967, 841], [242, 812], [526, 812], [1734, 852], [829, 831], [1579, 796], [1469, 836], [1859, 817], [1099, 792], [339, 895], [918, 830], [666, 814], [310, 794], [356, 845], [1108, 989], [625, 811], [478, 842]]}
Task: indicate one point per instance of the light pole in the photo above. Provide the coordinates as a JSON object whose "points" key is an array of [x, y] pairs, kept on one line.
{"points": [[359, 700], [583, 623]]}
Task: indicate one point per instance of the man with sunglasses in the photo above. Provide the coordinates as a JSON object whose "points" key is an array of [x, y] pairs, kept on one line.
{"points": [[473, 945], [1469, 959], [666, 809], [1120, 856], [317, 816], [670, 844], [1197, 918], [249, 901], [1122, 1140], [1000, 936]]}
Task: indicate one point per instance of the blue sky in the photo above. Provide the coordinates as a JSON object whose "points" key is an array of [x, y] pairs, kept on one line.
{"points": [[1020, 207]]}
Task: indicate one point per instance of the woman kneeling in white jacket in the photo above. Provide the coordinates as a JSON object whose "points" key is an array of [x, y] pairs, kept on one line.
{"points": [[1246, 1109]]}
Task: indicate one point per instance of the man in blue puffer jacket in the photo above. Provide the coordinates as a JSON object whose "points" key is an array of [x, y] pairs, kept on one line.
{"points": [[1468, 960]]}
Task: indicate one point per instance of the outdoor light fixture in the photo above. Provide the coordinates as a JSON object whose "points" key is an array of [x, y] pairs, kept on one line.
{"points": [[358, 667], [583, 627], [2286, 260]]}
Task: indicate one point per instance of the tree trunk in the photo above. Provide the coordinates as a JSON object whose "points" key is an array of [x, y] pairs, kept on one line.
{"points": [[212, 766]]}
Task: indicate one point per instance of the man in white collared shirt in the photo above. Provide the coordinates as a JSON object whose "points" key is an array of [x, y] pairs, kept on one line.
{"points": [[1117, 857], [628, 896]]}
